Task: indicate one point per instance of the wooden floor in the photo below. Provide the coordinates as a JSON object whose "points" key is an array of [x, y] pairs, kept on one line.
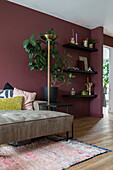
{"points": [[98, 132]]}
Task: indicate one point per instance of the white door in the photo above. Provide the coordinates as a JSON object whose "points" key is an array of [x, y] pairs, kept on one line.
{"points": [[111, 80]]}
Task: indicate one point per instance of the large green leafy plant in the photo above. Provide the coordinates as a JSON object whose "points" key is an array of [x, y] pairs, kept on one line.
{"points": [[105, 73], [37, 50]]}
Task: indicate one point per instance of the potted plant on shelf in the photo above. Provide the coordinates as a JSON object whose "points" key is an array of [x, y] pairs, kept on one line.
{"points": [[105, 79], [91, 43], [37, 50]]}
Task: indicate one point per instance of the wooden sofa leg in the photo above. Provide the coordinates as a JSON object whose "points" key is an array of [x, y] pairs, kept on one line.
{"points": [[67, 136]]}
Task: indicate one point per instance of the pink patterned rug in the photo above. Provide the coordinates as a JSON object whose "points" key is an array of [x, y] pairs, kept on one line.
{"points": [[46, 154]]}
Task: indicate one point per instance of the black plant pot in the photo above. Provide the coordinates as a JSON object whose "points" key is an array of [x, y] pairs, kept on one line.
{"points": [[53, 94]]}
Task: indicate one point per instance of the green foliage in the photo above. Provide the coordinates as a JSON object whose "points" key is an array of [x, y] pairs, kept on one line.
{"points": [[92, 41], [37, 50], [105, 73]]}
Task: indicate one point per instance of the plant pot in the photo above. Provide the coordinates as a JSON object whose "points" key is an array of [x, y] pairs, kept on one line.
{"points": [[104, 90], [53, 94], [104, 97], [84, 92], [90, 45]]}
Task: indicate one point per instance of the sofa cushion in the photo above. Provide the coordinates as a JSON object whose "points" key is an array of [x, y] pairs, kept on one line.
{"points": [[6, 93], [8, 86], [28, 98], [14, 103]]}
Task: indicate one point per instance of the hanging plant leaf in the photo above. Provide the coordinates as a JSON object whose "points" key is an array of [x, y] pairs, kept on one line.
{"points": [[36, 69], [69, 81], [33, 42], [67, 63], [51, 30], [55, 34], [70, 75], [27, 49], [32, 36], [68, 55], [41, 67], [60, 61], [30, 63], [65, 52], [55, 42], [31, 67], [25, 43], [48, 32], [30, 55], [40, 35], [41, 41]]}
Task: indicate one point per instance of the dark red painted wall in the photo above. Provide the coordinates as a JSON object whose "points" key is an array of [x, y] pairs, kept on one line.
{"points": [[17, 24], [96, 61], [108, 40]]}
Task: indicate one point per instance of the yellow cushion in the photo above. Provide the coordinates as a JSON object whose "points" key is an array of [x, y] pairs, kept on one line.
{"points": [[13, 103]]}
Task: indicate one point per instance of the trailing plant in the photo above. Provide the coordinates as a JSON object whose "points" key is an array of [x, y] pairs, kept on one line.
{"points": [[37, 50], [92, 41], [105, 73]]}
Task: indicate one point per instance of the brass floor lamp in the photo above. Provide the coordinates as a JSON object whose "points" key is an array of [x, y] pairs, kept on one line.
{"points": [[48, 38]]}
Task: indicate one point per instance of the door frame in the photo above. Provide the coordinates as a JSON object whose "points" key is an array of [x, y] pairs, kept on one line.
{"points": [[110, 54]]}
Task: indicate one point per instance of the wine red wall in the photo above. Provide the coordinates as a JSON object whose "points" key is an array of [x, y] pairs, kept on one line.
{"points": [[17, 24], [96, 61]]}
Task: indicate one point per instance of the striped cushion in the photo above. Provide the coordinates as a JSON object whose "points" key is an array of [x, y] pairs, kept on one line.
{"points": [[6, 93]]}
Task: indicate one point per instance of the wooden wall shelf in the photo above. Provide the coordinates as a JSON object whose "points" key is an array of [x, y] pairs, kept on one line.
{"points": [[80, 96], [81, 71], [78, 47]]}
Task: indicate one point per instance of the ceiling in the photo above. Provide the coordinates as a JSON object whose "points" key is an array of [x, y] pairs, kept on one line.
{"points": [[87, 13]]}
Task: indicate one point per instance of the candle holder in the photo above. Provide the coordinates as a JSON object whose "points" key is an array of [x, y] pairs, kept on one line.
{"points": [[76, 39]]}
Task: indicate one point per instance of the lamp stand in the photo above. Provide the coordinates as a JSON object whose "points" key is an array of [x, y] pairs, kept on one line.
{"points": [[48, 38], [48, 72]]}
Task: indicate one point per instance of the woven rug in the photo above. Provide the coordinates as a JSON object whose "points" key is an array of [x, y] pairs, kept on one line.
{"points": [[46, 154]]}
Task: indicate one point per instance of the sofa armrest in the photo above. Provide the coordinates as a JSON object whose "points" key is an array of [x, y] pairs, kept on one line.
{"points": [[36, 105]]}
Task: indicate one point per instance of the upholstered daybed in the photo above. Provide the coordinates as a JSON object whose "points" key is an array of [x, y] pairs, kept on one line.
{"points": [[27, 124]]}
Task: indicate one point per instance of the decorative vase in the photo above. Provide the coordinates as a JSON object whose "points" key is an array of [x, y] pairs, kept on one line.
{"points": [[85, 43], [84, 92], [53, 94]]}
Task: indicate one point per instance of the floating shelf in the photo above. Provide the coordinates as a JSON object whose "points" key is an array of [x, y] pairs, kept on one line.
{"points": [[78, 47], [80, 96], [81, 71]]}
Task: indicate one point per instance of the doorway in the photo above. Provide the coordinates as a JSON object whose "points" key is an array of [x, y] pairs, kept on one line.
{"points": [[108, 78], [106, 56]]}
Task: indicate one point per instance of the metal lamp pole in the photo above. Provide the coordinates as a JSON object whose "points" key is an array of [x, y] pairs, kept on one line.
{"points": [[48, 38]]}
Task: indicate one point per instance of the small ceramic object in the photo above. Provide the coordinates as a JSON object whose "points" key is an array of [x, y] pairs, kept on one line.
{"points": [[89, 69], [85, 43], [72, 91], [72, 41], [76, 68]]}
